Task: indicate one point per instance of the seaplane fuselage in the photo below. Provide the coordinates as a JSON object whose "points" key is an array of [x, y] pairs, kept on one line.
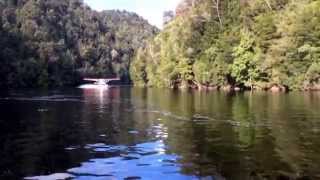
{"points": [[98, 83]]}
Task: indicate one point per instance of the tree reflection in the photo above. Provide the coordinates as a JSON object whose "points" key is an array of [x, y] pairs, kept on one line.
{"points": [[242, 136], [195, 134]]}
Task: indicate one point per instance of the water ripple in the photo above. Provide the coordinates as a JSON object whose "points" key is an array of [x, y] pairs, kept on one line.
{"points": [[146, 160]]}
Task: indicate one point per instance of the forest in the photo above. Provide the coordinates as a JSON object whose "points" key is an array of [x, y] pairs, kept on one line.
{"points": [[205, 44], [52, 43], [234, 45]]}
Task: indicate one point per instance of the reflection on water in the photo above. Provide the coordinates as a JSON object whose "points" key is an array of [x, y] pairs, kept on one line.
{"points": [[131, 133], [145, 160]]}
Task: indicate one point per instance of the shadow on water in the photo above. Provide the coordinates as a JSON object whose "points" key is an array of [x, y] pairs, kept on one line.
{"points": [[132, 133]]}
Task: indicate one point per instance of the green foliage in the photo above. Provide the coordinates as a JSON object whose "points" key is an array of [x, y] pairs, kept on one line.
{"points": [[246, 61], [188, 51], [313, 73], [295, 50], [56, 42], [258, 44]]}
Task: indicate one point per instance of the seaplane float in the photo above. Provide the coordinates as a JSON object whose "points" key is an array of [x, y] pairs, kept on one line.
{"points": [[98, 83]]}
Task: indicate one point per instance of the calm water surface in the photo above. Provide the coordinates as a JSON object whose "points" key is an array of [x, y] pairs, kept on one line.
{"points": [[131, 133]]}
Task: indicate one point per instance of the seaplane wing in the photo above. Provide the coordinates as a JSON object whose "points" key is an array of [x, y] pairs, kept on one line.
{"points": [[93, 80], [100, 80]]}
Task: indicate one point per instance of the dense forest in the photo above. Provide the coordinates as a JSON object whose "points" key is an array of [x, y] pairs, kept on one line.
{"points": [[205, 44], [235, 44], [49, 43]]}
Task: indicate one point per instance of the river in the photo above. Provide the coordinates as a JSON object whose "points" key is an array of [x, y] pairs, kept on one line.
{"points": [[136, 133]]}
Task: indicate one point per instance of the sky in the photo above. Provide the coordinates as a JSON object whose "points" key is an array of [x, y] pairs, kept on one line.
{"points": [[152, 10]]}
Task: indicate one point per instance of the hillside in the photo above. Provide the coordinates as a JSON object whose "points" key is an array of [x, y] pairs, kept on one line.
{"points": [[223, 44], [57, 42]]}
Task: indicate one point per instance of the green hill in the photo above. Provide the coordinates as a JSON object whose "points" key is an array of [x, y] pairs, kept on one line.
{"points": [[57, 42], [252, 44]]}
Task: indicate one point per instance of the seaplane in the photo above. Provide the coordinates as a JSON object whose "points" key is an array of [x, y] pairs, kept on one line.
{"points": [[98, 83]]}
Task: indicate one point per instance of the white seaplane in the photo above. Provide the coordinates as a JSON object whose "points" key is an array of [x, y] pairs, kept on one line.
{"points": [[98, 83]]}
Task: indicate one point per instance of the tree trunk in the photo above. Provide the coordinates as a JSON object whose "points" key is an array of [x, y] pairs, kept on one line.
{"points": [[217, 6], [268, 4]]}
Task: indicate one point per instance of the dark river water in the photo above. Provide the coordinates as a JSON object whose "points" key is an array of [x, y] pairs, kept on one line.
{"points": [[132, 133]]}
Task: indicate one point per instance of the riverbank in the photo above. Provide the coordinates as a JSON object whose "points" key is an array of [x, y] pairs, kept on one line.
{"points": [[270, 88]]}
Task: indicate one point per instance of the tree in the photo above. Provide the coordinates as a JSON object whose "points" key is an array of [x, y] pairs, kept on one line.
{"points": [[245, 67]]}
